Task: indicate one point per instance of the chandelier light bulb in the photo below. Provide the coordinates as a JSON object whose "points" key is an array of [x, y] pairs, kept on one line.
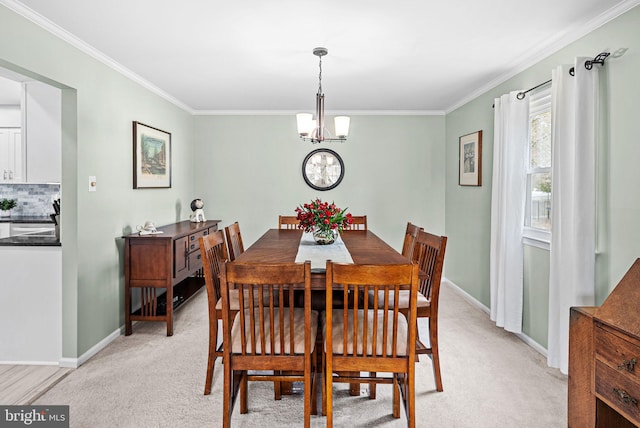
{"points": [[342, 126]]}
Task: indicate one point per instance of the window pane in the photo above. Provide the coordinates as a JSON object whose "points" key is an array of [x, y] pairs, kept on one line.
{"points": [[540, 156], [540, 211]]}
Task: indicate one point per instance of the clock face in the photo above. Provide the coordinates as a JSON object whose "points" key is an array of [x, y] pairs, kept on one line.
{"points": [[323, 169]]}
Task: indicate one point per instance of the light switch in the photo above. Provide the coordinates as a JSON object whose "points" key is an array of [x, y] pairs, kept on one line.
{"points": [[92, 183]]}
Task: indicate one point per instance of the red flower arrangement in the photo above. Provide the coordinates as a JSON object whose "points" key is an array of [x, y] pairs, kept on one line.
{"points": [[319, 215]]}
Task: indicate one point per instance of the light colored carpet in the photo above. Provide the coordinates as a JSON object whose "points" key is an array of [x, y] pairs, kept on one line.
{"points": [[490, 377]]}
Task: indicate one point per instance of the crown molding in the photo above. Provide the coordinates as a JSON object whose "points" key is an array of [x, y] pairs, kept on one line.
{"points": [[551, 46], [74, 41], [328, 112]]}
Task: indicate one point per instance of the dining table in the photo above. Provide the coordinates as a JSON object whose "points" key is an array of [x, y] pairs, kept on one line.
{"points": [[282, 246]]}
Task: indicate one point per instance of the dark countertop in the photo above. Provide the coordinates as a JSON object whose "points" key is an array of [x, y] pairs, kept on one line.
{"points": [[26, 240], [30, 241], [26, 219]]}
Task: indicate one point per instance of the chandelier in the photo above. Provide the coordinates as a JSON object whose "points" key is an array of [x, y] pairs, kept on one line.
{"points": [[314, 130]]}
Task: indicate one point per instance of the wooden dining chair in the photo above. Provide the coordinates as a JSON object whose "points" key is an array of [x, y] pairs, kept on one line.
{"points": [[234, 241], [428, 254], [409, 242], [359, 223], [371, 337], [214, 255], [270, 336], [410, 235], [288, 222]]}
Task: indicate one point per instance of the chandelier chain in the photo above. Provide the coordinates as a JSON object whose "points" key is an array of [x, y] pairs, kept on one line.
{"points": [[320, 77]]}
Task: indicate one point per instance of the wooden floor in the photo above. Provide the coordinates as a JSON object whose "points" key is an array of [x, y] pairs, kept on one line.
{"points": [[22, 385]]}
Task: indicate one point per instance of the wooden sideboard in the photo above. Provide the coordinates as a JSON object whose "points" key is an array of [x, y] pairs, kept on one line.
{"points": [[604, 359], [164, 261]]}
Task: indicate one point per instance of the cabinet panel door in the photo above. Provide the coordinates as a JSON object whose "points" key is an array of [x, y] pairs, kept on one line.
{"points": [[180, 252], [11, 155], [16, 155], [146, 261], [4, 154]]}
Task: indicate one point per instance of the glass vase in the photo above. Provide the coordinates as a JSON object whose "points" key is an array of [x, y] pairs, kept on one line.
{"points": [[325, 236]]}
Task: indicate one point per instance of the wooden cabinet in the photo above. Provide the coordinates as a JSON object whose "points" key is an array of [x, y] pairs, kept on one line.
{"points": [[165, 262], [604, 359]]}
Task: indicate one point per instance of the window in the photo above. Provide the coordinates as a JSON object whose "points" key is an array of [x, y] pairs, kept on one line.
{"points": [[539, 180]]}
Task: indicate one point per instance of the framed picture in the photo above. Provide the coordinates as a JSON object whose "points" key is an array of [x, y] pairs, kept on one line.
{"points": [[470, 159], [151, 157]]}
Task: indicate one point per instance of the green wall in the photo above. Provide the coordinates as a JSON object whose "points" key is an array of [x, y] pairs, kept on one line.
{"points": [[535, 311], [249, 169], [99, 106], [468, 210], [397, 168]]}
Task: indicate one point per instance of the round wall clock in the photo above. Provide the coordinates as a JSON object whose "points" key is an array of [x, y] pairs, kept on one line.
{"points": [[323, 169]]}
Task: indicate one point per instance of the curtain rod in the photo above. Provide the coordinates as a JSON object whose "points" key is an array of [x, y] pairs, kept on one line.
{"points": [[522, 94], [599, 59]]}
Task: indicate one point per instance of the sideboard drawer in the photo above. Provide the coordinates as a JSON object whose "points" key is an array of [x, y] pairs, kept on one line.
{"points": [[195, 260], [194, 240], [618, 391], [617, 353]]}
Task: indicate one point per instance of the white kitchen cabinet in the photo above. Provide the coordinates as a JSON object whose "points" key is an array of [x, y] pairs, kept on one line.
{"points": [[43, 132], [11, 115], [32, 321], [11, 156], [4, 230]]}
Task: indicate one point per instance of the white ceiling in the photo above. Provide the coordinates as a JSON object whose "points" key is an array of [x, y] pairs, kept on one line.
{"points": [[253, 55]]}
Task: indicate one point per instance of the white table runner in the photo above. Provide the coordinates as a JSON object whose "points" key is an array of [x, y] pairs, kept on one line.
{"points": [[319, 254]]}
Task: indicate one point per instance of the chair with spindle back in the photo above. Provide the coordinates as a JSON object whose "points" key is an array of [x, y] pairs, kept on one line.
{"points": [[234, 240], [359, 223], [409, 242], [270, 334], [371, 337], [288, 222], [428, 254], [214, 254], [235, 247]]}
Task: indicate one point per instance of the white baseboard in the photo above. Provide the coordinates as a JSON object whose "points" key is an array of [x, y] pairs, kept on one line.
{"points": [[475, 302], [468, 297], [29, 363], [74, 363], [529, 341]]}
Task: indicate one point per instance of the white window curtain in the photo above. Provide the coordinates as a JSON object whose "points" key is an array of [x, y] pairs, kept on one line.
{"points": [[572, 266], [507, 210]]}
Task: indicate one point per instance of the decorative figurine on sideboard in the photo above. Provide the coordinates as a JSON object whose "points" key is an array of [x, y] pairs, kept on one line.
{"points": [[198, 212]]}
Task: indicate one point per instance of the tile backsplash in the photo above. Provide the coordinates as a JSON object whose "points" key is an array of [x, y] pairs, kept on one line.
{"points": [[32, 199]]}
